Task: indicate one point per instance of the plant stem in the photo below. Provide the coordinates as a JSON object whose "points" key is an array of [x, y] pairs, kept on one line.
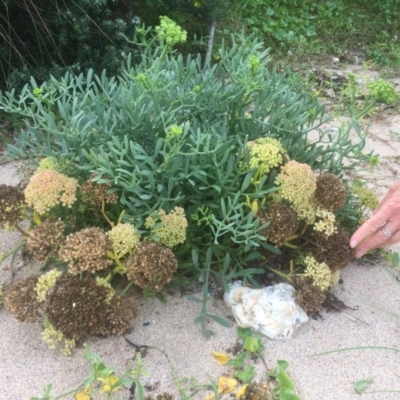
{"points": [[20, 230], [358, 348], [210, 41], [286, 276], [126, 289], [303, 231], [288, 239], [67, 393], [291, 246], [103, 206], [12, 251]]}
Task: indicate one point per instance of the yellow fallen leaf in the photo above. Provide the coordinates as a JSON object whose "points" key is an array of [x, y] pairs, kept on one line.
{"points": [[84, 395], [109, 382], [226, 385], [241, 391], [220, 357], [210, 397]]}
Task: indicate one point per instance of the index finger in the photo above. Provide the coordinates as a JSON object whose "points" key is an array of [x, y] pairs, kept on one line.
{"points": [[370, 226]]}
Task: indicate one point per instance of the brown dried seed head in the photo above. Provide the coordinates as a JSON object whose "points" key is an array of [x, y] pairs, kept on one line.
{"points": [[97, 192], [164, 396], [334, 250], [330, 193], [12, 202], [20, 300], [86, 251], [309, 296], [77, 307], [283, 222], [45, 240], [151, 266], [257, 391]]}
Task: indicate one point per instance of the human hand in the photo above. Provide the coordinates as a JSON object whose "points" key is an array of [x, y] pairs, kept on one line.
{"points": [[383, 228]]}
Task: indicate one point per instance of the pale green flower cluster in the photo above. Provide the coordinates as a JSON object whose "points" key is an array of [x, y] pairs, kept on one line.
{"points": [[124, 238], [174, 132], [170, 229], [45, 283], [53, 338], [335, 277], [142, 78], [320, 273], [48, 188], [367, 196], [265, 154], [327, 223], [170, 31], [48, 163], [103, 282], [254, 62], [297, 183], [7, 227]]}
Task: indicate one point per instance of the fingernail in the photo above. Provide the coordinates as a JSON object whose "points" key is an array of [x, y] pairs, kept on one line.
{"points": [[353, 243]]}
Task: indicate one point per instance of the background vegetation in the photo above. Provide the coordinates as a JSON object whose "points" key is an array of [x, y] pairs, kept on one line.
{"points": [[50, 37]]}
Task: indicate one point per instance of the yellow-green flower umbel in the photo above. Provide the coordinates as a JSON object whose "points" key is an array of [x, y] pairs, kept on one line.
{"points": [[45, 283], [265, 154], [254, 62], [124, 238], [53, 338], [297, 183], [320, 273], [170, 229], [48, 163], [367, 197], [170, 32], [326, 222]]}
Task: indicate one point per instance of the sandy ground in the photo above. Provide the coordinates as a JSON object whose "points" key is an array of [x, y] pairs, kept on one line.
{"points": [[373, 320]]}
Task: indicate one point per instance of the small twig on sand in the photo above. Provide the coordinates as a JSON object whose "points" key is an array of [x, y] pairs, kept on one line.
{"points": [[347, 315]]}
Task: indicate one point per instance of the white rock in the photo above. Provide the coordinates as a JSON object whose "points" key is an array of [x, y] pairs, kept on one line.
{"points": [[270, 311]]}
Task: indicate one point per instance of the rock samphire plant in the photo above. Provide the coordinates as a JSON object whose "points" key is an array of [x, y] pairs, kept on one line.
{"points": [[176, 170]]}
